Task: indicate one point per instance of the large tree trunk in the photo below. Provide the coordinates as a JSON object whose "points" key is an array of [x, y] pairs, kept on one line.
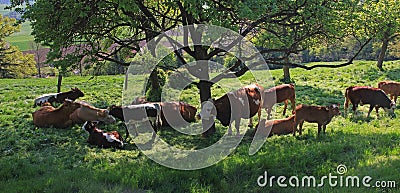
{"points": [[205, 94], [385, 43]]}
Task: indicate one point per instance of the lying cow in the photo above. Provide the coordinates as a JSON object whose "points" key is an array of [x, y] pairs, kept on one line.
{"points": [[278, 94], [87, 112], [279, 126], [48, 116], [375, 97], [314, 114], [102, 139], [242, 103], [73, 94], [138, 113], [391, 88]]}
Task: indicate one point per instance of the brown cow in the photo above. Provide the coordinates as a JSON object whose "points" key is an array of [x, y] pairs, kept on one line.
{"points": [[87, 112], [278, 94], [391, 88], [279, 126], [242, 103], [314, 114], [367, 95], [48, 116], [102, 139]]}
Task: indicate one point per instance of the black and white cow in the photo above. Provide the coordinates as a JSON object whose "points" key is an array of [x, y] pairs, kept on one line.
{"points": [[73, 94], [138, 113]]}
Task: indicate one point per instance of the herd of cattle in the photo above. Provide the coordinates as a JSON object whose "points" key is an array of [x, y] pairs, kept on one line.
{"points": [[231, 107]]}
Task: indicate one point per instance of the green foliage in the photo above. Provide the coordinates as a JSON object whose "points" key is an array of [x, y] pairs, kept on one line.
{"points": [[23, 65], [60, 160]]}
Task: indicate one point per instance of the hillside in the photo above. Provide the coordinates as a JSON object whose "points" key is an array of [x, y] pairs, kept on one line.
{"points": [[60, 160]]}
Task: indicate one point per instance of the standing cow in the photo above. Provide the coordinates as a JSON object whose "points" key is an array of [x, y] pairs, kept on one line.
{"points": [[242, 103], [281, 93], [391, 88], [314, 114], [375, 97]]}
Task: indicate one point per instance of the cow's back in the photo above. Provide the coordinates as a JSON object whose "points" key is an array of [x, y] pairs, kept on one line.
{"points": [[390, 87], [310, 114], [369, 95]]}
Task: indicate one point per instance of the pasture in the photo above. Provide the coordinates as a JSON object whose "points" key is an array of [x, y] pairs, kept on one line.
{"points": [[60, 160]]}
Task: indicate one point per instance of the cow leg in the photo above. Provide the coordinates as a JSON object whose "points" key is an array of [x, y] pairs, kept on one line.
{"points": [[293, 102], [294, 126], [395, 99], [371, 107], [324, 127], [230, 129], [237, 125], [251, 122], [376, 109], [284, 108], [268, 112], [301, 127], [127, 132], [319, 128]]}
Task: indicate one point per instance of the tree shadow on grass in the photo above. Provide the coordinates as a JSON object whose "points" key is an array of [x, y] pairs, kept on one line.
{"points": [[393, 74]]}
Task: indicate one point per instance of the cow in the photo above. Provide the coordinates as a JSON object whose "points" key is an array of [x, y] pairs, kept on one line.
{"points": [[87, 112], [48, 116], [73, 94], [138, 113], [314, 114], [278, 94], [375, 97], [242, 103], [102, 139], [279, 126], [173, 111], [391, 88]]}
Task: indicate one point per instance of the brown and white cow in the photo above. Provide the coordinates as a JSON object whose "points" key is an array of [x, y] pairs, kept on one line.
{"points": [[278, 94], [48, 116], [73, 94], [279, 126], [87, 112], [101, 138], [314, 114], [391, 88], [242, 103], [375, 97]]}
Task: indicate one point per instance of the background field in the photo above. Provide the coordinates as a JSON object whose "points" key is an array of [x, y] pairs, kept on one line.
{"points": [[60, 160]]}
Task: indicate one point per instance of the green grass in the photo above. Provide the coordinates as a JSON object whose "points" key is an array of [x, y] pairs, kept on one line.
{"points": [[60, 160]]}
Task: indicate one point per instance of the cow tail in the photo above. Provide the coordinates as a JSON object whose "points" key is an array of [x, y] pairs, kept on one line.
{"points": [[346, 97]]}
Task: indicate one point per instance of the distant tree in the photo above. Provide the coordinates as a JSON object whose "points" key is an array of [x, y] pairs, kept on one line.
{"points": [[380, 19], [13, 64]]}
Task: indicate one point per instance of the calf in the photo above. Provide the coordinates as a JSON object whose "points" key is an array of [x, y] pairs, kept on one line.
{"points": [[48, 116], [87, 112], [102, 139], [392, 88], [242, 103], [73, 94], [314, 114], [138, 113], [279, 126], [278, 94], [375, 97]]}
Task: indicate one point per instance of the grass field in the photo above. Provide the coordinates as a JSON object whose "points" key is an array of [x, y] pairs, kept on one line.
{"points": [[60, 160]]}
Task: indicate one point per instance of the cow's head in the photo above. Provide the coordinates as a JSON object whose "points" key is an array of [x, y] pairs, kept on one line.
{"points": [[77, 92], [89, 126], [208, 110], [103, 115], [391, 108], [333, 109]]}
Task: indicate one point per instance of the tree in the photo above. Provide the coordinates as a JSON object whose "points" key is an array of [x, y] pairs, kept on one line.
{"points": [[13, 64], [380, 19], [283, 27]]}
